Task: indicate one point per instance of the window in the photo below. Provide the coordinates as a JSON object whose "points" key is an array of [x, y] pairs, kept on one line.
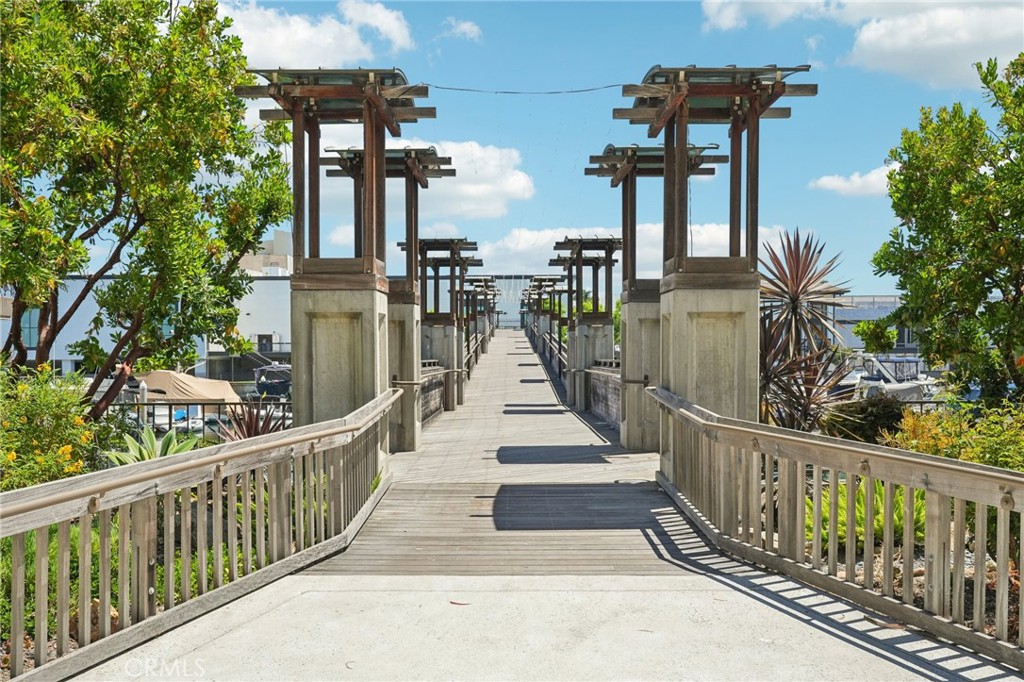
{"points": [[30, 328]]}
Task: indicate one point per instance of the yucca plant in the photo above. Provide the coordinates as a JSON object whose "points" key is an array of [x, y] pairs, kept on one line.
{"points": [[253, 419], [800, 367], [796, 295], [147, 447]]}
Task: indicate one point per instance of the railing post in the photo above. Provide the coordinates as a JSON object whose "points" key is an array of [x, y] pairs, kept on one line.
{"points": [[936, 553]]}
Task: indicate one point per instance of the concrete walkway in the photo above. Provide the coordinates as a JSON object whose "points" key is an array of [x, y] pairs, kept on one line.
{"points": [[520, 544]]}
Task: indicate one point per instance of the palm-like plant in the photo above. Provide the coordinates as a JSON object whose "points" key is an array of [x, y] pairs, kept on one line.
{"points": [[799, 365], [253, 419], [796, 294]]}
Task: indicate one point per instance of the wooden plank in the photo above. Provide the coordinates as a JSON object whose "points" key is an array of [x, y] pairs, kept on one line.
{"points": [[17, 633], [959, 542], [261, 517], [63, 585], [217, 517], [907, 546], [980, 553], [232, 527], [202, 528], [247, 506], [42, 593], [170, 520], [84, 579], [869, 532], [186, 544], [816, 518], [833, 522], [1003, 569], [888, 540], [851, 528]]}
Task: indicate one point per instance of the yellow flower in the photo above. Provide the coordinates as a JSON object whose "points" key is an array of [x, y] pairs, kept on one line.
{"points": [[86, 437], [39, 460], [79, 421], [65, 452], [5, 424], [45, 367], [22, 388], [11, 456], [23, 419]]}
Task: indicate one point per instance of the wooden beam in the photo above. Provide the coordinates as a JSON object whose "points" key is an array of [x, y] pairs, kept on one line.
{"points": [[404, 91], [416, 173], [384, 112], [274, 115], [668, 109], [624, 170], [801, 89], [723, 114], [647, 90]]}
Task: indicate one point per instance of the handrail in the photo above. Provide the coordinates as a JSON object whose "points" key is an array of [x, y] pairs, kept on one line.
{"points": [[8, 511], [807, 505], [713, 422]]}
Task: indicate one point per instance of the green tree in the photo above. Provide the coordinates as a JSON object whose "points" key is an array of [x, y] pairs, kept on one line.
{"points": [[126, 154], [958, 252]]}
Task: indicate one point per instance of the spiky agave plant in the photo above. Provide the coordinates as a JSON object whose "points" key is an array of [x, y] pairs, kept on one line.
{"points": [[253, 419], [799, 365], [796, 294]]}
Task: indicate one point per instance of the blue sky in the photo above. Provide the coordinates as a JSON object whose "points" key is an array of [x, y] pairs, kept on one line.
{"points": [[520, 158]]}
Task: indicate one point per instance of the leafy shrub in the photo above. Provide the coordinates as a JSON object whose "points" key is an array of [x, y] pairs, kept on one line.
{"points": [[147, 447], [986, 435], [44, 435], [860, 514], [864, 420], [253, 419]]}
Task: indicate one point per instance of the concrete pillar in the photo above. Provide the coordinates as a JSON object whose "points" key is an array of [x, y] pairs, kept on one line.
{"points": [[709, 341], [595, 340], [339, 352], [440, 342], [641, 357], [404, 345]]}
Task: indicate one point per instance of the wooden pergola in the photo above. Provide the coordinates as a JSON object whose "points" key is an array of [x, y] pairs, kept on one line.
{"points": [[416, 166], [377, 99], [624, 165], [456, 260], [577, 259], [667, 102]]}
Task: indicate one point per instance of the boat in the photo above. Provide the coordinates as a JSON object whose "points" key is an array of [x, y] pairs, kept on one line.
{"points": [[896, 376], [274, 381]]}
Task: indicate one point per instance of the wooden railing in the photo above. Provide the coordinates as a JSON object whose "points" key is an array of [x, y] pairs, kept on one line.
{"points": [[792, 502], [157, 536]]}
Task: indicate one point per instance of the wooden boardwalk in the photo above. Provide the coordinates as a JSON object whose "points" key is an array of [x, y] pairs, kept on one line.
{"points": [[515, 483]]}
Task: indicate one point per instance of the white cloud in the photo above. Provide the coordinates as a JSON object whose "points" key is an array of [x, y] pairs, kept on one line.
{"points": [[342, 235], [272, 38], [275, 38], [458, 28], [389, 24], [870, 184], [439, 230], [939, 46], [526, 251], [935, 43]]}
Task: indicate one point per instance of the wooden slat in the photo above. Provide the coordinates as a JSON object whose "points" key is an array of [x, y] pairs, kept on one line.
{"points": [[63, 585], [888, 536], [217, 517], [869, 532], [959, 535], [816, 519], [186, 544], [170, 520], [202, 528], [260, 489], [907, 547], [232, 528], [310, 499], [980, 540], [106, 586], [833, 522], [247, 506], [17, 604], [769, 507], [124, 553], [298, 503], [84, 579], [42, 593], [1003, 570], [851, 528]]}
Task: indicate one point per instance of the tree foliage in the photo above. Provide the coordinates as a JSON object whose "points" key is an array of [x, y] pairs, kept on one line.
{"points": [[957, 187], [127, 161]]}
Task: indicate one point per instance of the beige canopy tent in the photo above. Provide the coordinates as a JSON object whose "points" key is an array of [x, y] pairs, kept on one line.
{"points": [[173, 387]]}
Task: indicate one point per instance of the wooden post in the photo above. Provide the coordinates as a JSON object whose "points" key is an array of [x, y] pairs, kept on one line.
{"points": [[753, 142], [379, 185], [314, 187], [608, 252], [369, 183], [629, 252], [357, 202], [669, 222], [682, 175], [936, 553], [411, 226], [596, 268], [298, 184], [735, 179]]}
